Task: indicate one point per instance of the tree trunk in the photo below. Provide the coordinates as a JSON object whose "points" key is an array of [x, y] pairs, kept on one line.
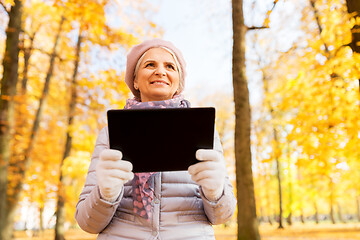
{"points": [[262, 215], [276, 150], [269, 220], [8, 91], [21, 126], [279, 185], [332, 213], [289, 219], [316, 213], [268, 201], [340, 215], [41, 219], [290, 187], [21, 166], [268, 207], [278, 168], [247, 221], [317, 18], [358, 207], [60, 212], [302, 219], [27, 55], [353, 7]]}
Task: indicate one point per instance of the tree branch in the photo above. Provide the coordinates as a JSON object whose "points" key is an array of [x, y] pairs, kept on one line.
{"points": [[255, 28], [275, 1], [262, 27]]}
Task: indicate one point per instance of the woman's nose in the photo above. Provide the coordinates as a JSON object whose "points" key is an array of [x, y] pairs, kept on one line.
{"points": [[160, 71]]}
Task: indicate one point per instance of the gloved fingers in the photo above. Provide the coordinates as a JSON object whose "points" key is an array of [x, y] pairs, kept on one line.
{"points": [[104, 165], [116, 174], [207, 155], [197, 177], [210, 184], [120, 165], [124, 165], [131, 176], [109, 192], [110, 155], [206, 165], [208, 174]]}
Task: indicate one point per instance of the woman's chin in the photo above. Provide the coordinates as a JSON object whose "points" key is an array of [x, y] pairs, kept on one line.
{"points": [[159, 96]]}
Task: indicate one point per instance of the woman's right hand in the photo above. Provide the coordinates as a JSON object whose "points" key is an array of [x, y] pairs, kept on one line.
{"points": [[112, 172]]}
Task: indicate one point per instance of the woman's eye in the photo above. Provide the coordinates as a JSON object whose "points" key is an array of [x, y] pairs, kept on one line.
{"points": [[149, 65], [170, 66]]}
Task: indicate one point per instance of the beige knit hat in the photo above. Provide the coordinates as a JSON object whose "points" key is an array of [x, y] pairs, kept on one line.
{"points": [[138, 50]]}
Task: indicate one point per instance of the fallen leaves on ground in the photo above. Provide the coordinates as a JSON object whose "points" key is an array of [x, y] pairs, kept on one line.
{"points": [[324, 231]]}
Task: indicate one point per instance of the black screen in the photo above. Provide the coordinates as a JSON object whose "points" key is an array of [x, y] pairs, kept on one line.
{"points": [[161, 139]]}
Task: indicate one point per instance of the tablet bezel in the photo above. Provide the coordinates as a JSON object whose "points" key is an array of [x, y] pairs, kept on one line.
{"points": [[171, 141]]}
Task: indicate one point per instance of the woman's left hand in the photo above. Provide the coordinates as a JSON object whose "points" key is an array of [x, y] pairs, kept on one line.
{"points": [[209, 173]]}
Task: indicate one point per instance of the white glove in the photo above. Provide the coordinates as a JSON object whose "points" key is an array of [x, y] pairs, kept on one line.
{"points": [[112, 173], [209, 173]]}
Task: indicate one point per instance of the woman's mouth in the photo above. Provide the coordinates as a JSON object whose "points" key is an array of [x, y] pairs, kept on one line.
{"points": [[159, 82]]}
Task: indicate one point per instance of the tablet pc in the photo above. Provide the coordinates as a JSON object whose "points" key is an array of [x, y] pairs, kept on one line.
{"points": [[155, 140]]}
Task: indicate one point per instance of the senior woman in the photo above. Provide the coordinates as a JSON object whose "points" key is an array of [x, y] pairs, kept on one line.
{"points": [[118, 204]]}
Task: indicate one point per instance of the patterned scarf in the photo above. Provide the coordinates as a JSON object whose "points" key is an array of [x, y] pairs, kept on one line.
{"points": [[143, 183]]}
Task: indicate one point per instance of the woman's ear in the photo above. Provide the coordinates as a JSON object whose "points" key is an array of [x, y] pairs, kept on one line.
{"points": [[136, 85]]}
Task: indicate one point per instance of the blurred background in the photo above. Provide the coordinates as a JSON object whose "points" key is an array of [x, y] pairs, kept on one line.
{"points": [[63, 66]]}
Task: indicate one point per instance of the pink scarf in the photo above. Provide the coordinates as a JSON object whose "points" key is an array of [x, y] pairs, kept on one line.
{"points": [[143, 184]]}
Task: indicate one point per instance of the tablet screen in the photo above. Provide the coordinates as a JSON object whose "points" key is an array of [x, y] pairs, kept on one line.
{"points": [[155, 140]]}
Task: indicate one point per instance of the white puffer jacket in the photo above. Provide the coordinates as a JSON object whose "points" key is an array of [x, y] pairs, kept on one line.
{"points": [[180, 210]]}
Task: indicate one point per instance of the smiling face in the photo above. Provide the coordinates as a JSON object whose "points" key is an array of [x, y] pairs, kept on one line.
{"points": [[157, 78]]}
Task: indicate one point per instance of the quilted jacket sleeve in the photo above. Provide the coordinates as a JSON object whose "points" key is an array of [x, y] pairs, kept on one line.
{"points": [[222, 210], [93, 213]]}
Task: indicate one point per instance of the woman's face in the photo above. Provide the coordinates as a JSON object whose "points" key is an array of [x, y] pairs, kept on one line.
{"points": [[157, 78]]}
